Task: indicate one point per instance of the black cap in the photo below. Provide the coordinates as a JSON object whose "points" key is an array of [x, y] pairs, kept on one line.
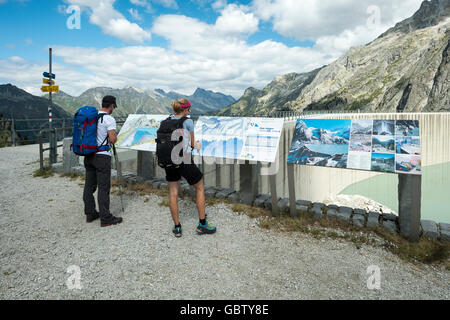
{"points": [[109, 100]]}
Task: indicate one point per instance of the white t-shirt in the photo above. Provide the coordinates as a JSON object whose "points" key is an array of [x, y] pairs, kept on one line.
{"points": [[109, 123]]}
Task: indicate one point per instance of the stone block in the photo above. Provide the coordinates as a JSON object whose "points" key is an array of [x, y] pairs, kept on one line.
{"points": [[58, 168], [444, 226], [268, 204], [445, 235], [70, 159], [210, 193], [344, 216], [390, 226], [305, 203], [316, 212], [80, 170], [358, 219], [224, 193], [318, 204], [332, 213], [299, 209], [156, 184], [260, 200], [430, 229], [389, 216], [140, 180], [373, 219], [163, 185], [333, 206], [283, 205], [149, 182], [234, 197]]}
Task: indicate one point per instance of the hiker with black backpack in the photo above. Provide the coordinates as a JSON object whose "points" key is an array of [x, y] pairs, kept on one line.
{"points": [[174, 144], [94, 132]]}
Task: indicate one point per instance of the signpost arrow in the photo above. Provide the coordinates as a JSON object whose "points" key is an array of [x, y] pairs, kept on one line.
{"points": [[50, 88], [47, 81], [47, 75]]}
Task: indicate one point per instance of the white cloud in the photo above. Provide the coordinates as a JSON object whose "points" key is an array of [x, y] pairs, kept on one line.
{"points": [[235, 20], [112, 22], [334, 26], [219, 4]]}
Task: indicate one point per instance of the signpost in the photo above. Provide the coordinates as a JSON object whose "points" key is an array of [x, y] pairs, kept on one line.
{"points": [[48, 76]]}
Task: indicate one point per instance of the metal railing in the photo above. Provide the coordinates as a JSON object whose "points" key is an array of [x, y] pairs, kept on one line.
{"points": [[29, 131]]}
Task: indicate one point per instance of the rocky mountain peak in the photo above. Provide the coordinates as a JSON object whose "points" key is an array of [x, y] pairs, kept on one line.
{"points": [[429, 14]]}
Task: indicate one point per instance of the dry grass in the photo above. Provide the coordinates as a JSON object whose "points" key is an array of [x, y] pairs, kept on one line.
{"points": [[45, 173]]}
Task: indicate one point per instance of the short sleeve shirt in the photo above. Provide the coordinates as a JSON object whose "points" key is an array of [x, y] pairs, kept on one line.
{"points": [[108, 123], [188, 126]]}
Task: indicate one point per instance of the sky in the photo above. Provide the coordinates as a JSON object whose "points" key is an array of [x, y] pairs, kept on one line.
{"points": [[180, 45]]}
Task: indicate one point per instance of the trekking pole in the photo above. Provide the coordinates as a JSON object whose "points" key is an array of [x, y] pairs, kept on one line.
{"points": [[119, 174]]}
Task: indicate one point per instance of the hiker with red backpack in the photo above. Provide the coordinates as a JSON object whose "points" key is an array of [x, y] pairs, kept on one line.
{"points": [[174, 144], [94, 131]]}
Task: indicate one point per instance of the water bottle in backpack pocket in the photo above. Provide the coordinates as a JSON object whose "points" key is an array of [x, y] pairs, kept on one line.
{"points": [[84, 140]]}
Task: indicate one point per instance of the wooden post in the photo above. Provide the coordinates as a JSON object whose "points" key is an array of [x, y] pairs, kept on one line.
{"points": [[146, 165], [249, 178]]}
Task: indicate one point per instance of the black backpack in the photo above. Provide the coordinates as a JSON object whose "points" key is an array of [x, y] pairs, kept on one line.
{"points": [[165, 144]]}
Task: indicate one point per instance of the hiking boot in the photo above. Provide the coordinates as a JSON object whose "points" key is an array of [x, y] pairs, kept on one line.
{"points": [[111, 221], [205, 228], [91, 217], [177, 231]]}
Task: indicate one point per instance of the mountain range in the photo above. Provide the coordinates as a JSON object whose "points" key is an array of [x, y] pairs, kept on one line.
{"points": [[406, 69], [132, 100]]}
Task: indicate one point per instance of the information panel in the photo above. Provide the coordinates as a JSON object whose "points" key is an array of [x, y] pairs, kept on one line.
{"points": [[254, 139], [139, 132], [377, 145]]}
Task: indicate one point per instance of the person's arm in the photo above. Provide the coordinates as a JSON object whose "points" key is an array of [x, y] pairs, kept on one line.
{"points": [[112, 136]]}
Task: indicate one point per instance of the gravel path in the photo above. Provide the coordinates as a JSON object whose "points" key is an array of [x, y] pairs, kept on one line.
{"points": [[43, 232]]}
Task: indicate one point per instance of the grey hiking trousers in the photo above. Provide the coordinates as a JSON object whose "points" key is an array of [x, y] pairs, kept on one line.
{"points": [[98, 173]]}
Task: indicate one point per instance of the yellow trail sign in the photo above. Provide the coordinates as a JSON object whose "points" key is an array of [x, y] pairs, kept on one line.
{"points": [[50, 88], [47, 81]]}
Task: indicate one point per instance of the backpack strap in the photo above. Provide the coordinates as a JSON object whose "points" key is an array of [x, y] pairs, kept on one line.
{"points": [[103, 144]]}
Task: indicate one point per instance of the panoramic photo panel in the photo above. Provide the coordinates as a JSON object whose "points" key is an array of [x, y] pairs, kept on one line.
{"points": [[383, 162], [383, 144], [405, 163], [407, 145], [383, 127], [407, 128], [320, 142]]}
